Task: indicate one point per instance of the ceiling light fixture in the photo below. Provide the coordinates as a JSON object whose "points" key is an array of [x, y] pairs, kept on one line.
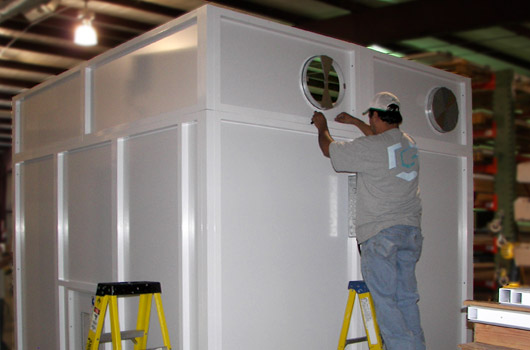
{"points": [[85, 34]]}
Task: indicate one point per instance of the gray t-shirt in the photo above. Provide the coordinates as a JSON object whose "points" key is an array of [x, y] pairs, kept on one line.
{"points": [[387, 167]]}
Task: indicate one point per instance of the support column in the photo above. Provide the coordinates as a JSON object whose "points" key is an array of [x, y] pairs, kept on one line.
{"points": [[505, 150]]}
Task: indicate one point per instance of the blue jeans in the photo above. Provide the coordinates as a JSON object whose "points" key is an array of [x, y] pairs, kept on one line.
{"points": [[388, 263]]}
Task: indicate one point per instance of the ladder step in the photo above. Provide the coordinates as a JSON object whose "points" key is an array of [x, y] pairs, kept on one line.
{"points": [[125, 335], [128, 288], [160, 348], [356, 340]]}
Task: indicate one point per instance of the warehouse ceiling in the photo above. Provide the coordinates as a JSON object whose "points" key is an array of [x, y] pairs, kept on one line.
{"points": [[36, 36]]}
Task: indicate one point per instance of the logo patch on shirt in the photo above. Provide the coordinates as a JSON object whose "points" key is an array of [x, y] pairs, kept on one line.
{"points": [[403, 157]]}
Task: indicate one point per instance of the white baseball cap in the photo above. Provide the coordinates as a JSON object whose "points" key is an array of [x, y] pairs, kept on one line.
{"points": [[382, 101]]}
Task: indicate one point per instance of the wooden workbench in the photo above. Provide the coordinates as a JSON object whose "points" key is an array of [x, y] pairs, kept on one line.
{"points": [[495, 337]]}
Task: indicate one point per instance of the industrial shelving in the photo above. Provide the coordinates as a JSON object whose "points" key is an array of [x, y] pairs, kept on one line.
{"points": [[501, 121]]}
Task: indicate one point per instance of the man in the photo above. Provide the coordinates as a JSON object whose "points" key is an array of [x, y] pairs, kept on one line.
{"points": [[388, 214]]}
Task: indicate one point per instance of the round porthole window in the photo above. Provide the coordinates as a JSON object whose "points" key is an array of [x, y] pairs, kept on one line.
{"points": [[442, 109], [322, 81]]}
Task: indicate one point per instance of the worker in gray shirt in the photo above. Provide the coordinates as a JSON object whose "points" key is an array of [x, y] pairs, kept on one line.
{"points": [[388, 214]]}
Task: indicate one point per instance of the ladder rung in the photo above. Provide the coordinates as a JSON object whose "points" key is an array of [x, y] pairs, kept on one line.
{"points": [[125, 335], [128, 288], [160, 348], [356, 340]]}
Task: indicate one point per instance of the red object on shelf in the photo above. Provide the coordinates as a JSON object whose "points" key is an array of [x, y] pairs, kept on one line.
{"points": [[495, 245], [487, 85], [486, 248], [495, 202], [486, 168], [489, 133], [521, 158], [490, 284]]}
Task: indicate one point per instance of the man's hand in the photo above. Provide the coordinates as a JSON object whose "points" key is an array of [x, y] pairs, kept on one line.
{"points": [[324, 138], [345, 118], [320, 121]]}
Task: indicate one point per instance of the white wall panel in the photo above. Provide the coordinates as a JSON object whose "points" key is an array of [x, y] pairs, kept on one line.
{"points": [[149, 81], [261, 68], [283, 242], [440, 270], [412, 86], [80, 308], [154, 238], [88, 204], [37, 245], [61, 120]]}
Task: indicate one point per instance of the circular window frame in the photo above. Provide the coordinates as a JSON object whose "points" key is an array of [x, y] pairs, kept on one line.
{"points": [[432, 114], [307, 89]]}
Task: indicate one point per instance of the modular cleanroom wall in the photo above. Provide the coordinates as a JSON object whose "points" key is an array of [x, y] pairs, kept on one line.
{"points": [[186, 156]]}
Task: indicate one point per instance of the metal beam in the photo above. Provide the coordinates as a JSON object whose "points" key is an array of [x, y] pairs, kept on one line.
{"points": [[485, 50], [419, 18], [262, 10], [58, 50], [6, 96], [12, 8], [36, 68], [60, 28], [518, 29], [18, 83], [148, 7], [104, 20], [348, 5]]}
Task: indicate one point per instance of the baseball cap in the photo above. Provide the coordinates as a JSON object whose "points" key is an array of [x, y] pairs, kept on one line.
{"points": [[382, 101]]}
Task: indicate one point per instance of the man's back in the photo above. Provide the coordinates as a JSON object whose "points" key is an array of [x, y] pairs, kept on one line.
{"points": [[387, 166]]}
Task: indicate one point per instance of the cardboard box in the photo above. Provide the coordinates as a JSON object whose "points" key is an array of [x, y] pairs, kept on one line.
{"points": [[523, 172], [484, 185], [522, 209], [522, 254]]}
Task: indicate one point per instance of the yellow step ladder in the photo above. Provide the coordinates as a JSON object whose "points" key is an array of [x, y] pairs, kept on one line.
{"points": [[107, 295], [371, 327]]}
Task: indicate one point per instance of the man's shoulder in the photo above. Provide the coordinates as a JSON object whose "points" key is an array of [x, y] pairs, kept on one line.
{"points": [[409, 138], [388, 136]]}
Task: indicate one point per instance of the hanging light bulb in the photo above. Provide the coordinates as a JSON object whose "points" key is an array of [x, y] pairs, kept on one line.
{"points": [[85, 34]]}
